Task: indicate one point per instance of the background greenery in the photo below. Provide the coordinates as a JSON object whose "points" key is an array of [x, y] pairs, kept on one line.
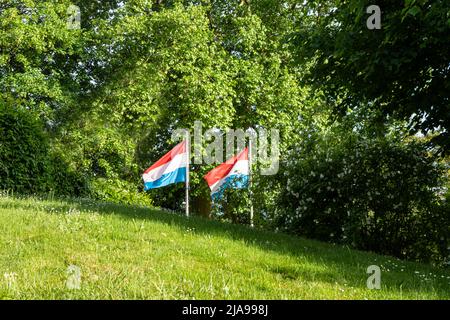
{"points": [[363, 114]]}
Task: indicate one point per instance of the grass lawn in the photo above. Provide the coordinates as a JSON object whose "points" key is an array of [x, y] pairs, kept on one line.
{"points": [[126, 252]]}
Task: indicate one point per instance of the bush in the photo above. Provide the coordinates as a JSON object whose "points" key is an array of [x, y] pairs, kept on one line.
{"points": [[67, 180], [24, 158], [233, 206], [378, 194], [118, 191]]}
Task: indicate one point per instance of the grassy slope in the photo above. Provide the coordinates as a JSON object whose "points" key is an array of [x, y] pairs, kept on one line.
{"points": [[136, 253]]}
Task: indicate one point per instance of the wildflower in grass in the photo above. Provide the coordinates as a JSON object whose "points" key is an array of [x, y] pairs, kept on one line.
{"points": [[10, 279]]}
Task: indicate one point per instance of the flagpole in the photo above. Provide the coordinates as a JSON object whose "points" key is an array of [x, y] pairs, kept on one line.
{"points": [[188, 151], [250, 179]]}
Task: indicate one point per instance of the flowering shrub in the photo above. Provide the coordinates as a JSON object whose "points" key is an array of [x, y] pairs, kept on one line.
{"points": [[376, 194]]}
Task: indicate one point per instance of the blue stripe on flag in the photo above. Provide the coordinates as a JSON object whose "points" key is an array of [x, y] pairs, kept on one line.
{"points": [[178, 175], [236, 181]]}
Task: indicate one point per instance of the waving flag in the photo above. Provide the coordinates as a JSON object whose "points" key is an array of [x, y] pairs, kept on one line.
{"points": [[171, 168], [234, 173]]}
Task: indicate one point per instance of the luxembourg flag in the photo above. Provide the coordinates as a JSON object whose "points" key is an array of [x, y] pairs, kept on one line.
{"points": [[171, 168], [234, 173]]}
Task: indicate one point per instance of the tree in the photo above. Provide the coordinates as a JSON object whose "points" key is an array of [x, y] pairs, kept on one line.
{"points": [[400, 71], [38, 60]]}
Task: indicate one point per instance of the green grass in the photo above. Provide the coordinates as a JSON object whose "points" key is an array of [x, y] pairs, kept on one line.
{"points": [[127, 252]]}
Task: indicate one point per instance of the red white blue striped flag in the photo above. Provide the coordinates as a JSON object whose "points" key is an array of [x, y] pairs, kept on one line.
{"points": [[171, 168], [234, 173]]}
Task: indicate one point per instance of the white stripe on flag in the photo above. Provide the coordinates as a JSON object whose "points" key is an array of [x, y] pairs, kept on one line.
{"points": [[179, 161], [239, 168]]}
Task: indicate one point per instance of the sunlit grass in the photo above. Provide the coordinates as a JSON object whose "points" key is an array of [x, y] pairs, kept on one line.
{"points": [[126, 252]]}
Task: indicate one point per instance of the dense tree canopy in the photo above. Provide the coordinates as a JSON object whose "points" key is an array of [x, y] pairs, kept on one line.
{"points": [[400, 70]]}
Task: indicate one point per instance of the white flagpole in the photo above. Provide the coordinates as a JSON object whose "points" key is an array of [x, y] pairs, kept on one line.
{"points": [[250, 179], [188, 151]]}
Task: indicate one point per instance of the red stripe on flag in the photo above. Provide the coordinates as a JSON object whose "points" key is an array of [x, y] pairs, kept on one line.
{"points": [[223, 169], [178, 149]]}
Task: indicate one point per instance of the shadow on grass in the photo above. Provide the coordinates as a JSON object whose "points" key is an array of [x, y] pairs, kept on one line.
{"points": [[342, 266]]}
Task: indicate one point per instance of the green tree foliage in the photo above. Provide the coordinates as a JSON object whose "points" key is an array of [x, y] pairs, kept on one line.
{"points": [[399, 71], [168, 68], [38, 57], [24, 158]]}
